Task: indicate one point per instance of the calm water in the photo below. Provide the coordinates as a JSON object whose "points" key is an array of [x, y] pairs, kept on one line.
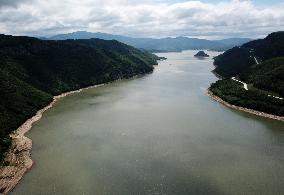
{"points": [[158, 134]]}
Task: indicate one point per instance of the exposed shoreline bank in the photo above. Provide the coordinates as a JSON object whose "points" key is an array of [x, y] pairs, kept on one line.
{"points": [[251, 111], [18, 157]]}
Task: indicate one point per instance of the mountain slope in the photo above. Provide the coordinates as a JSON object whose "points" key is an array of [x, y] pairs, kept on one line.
{"points": [[268, 75], [260, 64], [32, 71], [238, 59], [164, 44], [233, 62]]}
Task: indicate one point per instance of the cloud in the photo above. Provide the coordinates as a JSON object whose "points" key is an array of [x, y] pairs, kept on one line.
{"points": [[13, 3], [140, 18]]}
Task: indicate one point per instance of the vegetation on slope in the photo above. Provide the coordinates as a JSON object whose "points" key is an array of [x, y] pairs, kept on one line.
{"points": [[234, 93], [236, 60], [270, 47], [32, 71], [19, 101], [233, 62], [265, 79], [268, 75]]}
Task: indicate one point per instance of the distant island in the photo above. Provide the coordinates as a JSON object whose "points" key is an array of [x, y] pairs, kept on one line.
{"points": [[253, 77], [201, 54], [162, 58]]}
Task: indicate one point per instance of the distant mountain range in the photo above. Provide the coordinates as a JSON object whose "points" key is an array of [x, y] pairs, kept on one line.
{"points": [[157, 45]]}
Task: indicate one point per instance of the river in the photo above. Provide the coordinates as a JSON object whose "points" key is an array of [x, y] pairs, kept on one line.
{"points": [[156, 134]]}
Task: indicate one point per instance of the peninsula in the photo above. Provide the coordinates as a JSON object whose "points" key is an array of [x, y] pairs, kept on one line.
{"points": [[253, 76]]}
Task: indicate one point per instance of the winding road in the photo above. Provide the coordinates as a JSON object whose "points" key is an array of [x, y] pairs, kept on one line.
{"points": [[246, 85], [256, 60], [246, 88]]}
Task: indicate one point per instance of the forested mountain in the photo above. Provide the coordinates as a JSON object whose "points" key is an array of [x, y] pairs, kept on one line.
{"points": [[233, 62], [238, 59], [32, 71], [265, 81], [163, 44], [260, 64]]}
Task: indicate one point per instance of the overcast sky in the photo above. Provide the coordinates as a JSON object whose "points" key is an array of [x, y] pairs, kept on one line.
{"points": [[143, 18]]}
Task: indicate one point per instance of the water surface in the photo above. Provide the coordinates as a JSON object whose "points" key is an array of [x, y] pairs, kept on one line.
{"points": [[158, 134]]}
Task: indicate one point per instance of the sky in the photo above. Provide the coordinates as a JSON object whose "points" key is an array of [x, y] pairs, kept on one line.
{"points": [[211, 19]]}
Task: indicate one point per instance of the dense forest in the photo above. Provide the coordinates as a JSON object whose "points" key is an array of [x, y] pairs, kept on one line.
{"points": [[268, 75], [258, 63], [234, 93], [233, 62], [238, 59], [32, 71]]}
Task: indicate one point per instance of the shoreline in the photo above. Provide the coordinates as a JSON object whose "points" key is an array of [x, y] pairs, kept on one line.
{"points": [[18, 156], [247, 110]]}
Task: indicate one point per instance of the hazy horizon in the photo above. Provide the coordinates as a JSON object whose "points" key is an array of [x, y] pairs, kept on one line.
{"points": [[199, 37], [129, 36]]}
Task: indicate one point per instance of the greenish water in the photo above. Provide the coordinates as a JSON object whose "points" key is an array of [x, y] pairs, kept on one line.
{"points": [[158, 134]]}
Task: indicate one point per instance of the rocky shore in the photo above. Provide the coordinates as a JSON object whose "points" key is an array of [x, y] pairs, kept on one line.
{"points": [[18, 159], [258, 113]]}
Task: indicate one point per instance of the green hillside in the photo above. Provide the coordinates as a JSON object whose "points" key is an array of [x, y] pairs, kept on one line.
{"points": [[268, 75], [265, 80], [32, 71], [236, 60], [234, 93], [233, 62]]}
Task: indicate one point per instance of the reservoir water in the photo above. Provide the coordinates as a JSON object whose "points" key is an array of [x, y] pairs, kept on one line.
{"points": [[156, 134]]}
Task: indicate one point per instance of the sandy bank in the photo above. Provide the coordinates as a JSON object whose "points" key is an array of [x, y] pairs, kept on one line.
{"points": [[18, 157], [258, 113]]}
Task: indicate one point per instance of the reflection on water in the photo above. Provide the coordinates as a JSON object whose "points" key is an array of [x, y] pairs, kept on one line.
{"points": [[158, 134]]}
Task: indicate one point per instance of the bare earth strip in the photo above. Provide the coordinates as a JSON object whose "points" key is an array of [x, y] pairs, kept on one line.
{"points": [[258, 113], [19, 155]]}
